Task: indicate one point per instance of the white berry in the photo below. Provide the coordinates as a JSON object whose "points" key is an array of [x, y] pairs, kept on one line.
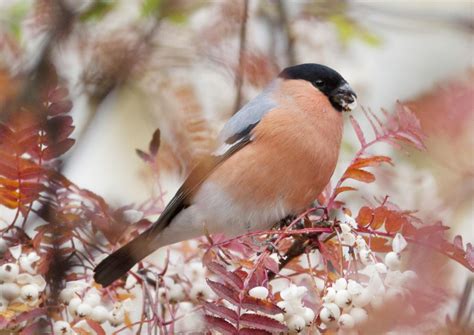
{"points": [[176, 293], [359, 315], [99, 314], [296, 323], [73, 304], [8, 272], [62, 328], [92, 299], [117, 316], [9, 291], [29, 293], [343, 299], [334, 311], [392, 260], [83, 310], [362, 299], [354, 288], [308, 315], [259, 292], [340, 284], [346, 321], [200, 291], [330, 295]]}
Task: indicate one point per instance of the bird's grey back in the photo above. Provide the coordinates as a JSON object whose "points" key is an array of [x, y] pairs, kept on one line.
{"points": [[248, 116]]}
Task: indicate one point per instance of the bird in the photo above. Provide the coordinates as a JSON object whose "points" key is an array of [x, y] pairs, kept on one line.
{"points": [[273, 158]]}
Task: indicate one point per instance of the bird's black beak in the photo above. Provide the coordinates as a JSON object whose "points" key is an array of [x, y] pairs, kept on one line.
{"points": [[344, 98]]}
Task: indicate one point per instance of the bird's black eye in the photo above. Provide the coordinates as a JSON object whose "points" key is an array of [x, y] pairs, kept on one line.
{"points": [[319, 83]]}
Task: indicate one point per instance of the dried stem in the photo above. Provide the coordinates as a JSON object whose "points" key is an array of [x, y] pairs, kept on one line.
{"points": [[239, 77], [290, 40]]}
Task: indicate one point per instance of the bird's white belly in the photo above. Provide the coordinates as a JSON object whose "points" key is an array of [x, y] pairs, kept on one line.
{"points": [[221, 214], [213, 211]]}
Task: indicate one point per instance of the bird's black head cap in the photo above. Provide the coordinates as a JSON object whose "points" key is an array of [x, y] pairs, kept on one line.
{"points": [[325, 79]]}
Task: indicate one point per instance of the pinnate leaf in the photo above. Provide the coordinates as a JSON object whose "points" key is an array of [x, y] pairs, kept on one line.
{"points": [[252, 331], [224, 292], [221, 311], [262, 322], [358, 131], [229, 277], [220, 325], [57, 149], [259, 305], [154, 143], [370, 161], [358, 174]]}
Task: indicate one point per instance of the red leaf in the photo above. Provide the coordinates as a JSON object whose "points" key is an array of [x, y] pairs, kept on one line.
{"points": [[155, 143], [394, 222], [379, 244], [221, 311], [250, 331], [262, 322], [143, 155], [96, 327], [259, 305], [358, 131], [224, 292], [371, 161], [58, 94], [57, 149], [344, 189], [6, 134], [470, 255], [61, 126], [358, 174], [380, 214], [364, 218], [220, 325], [60, 107], [271, 264], [33, 172], [458, 242], [229, 277]]}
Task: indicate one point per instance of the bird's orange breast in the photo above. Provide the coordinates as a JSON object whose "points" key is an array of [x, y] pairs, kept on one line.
{"points": [[293, 154]]}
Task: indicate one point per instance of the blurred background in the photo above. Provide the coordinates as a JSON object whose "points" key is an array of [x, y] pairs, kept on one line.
{"points": [[185, 66]]}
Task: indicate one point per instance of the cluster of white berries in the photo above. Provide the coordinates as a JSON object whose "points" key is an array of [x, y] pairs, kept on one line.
{"points": [[174, 292], [19, 282], [346, 302], [295, 315], [85, 302]]}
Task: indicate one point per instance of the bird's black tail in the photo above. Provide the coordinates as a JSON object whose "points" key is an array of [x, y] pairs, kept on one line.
{"points": [[118, 263]]}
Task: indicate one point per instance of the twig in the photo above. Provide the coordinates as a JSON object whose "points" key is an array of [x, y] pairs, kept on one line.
{"points": [[239, 76], [290, 39]]}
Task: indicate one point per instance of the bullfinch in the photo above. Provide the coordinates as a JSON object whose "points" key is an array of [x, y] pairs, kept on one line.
{"points": [[276, 155]]}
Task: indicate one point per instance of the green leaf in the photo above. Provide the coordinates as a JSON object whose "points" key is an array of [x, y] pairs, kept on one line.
{"points": [[98, 10], [151, 7], [15, 15], [349, 30]]}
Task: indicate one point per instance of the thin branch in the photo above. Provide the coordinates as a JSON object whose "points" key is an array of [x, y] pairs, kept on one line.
{"points": [[239, 76], [290, 39]]}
